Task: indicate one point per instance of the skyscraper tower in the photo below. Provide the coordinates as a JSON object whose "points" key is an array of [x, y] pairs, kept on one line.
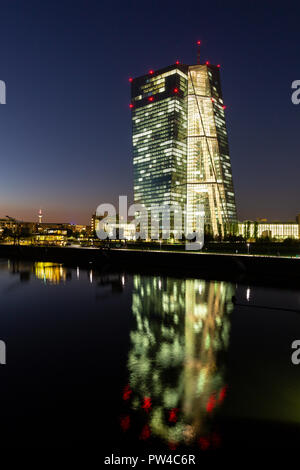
{"points": [[180, 146]]}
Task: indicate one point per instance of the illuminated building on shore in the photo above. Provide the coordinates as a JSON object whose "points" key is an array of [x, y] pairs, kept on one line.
{"points": [[180, 147]]}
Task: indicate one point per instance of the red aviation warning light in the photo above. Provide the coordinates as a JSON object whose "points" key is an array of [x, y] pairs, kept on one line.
{"points": [[222, 394], [211, 403], [131, 105], [207, 62], [125, 423], [127, 392], [176, 90], [130, 79], [173, 415], [224, 107], [203, 443], [218, 66], [147, 404], [177, 62], [172, 445], [146, 432], [150, 98], [151, 72]]}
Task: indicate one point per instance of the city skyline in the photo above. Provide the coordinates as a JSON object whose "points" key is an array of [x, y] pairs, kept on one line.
{"points": [[68, 98]]}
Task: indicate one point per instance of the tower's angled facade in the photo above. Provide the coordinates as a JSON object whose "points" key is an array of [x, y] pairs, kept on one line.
{"points": [[180, 146], [209, 177]]}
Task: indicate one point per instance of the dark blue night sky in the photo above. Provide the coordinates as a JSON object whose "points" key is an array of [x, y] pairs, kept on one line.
{"points": [[65, 132]]}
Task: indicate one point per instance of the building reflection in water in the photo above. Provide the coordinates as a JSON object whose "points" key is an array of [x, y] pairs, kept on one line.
{"points": [[176, 359]]}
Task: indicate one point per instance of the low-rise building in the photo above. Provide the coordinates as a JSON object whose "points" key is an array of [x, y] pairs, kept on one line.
{"points": [[265, 229], [114, 226]]}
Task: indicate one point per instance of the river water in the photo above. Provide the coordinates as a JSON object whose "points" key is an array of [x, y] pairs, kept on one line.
{"points": [[145, 363]]}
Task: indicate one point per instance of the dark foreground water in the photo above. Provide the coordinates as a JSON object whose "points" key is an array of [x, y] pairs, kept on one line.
{"points": [[139, 364]]}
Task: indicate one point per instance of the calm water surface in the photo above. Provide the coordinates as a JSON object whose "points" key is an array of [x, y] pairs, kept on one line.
{"points": [[152, 363]]}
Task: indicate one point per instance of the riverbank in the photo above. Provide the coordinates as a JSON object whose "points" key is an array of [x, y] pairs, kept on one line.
{"points": [[233, 267]]}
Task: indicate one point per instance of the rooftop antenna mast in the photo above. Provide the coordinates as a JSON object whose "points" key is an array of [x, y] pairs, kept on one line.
{"points": [[40, 216], [198, 52]]}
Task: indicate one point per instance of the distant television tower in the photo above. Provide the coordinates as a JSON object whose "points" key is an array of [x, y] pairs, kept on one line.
{"points": [[40, 216]]}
